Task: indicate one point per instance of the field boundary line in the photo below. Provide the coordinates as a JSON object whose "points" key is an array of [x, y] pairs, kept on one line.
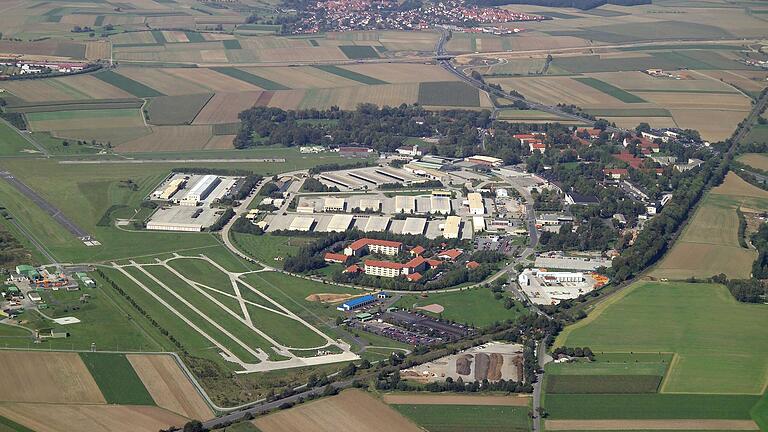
{"points": [[665, 380]]}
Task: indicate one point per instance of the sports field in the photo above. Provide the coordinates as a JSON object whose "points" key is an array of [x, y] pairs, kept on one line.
{"points": [[709, 243], [723, 356], [476, 307]]}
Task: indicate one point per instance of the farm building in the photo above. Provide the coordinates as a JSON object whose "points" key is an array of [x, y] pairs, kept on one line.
{"points": [[356, 303], [171, 189], [86, 280], [35, 297]]}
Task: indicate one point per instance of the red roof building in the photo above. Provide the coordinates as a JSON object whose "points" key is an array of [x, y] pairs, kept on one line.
{"points": [[450, 254], [629, 158], [417, 251], [416, 265], [385, 247], [414, 277], [473, 265], [354, 268], [335, 258], [593, 133], [434, 263], [616, 173]]}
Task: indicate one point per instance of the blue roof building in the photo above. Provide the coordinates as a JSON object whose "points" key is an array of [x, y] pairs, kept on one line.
{"points": [[356, 303]]}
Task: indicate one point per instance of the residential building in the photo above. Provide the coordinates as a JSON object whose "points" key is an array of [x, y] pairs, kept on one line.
{"points": [[366, 245]]}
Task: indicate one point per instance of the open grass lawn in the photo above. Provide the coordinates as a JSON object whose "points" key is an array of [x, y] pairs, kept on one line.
{"points": [[720, 344], [649, 406], [204, 273], [267, 248], [755, 160], [116, 379], [459, 418], [357, 52], [709, 243], [176, 110], [476, 306], [611, 90], [601, 384], [758, 134], [8, 425], [11, 143]]}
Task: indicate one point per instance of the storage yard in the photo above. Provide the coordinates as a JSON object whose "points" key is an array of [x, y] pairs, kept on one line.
{"points": [[549, 288], [492, 361]]}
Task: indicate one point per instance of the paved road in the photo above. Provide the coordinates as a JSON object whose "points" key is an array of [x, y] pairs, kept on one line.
{"points": [[543, 358], [47, 207]]}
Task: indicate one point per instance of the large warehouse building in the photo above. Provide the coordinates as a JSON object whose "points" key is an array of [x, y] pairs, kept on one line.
{"points": [[476, 205], [452, 227], [201, 190]]}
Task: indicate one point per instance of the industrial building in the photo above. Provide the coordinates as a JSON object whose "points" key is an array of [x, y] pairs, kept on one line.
{"points": [[376, 224], [170, 190], [439, 204], [201, 190], [452, 227], [548, 288], [414, 226], [302, 223], [334, 204], [339, 223], [368, 204], [476, 205], [155, 225], [485, 160], [478, 223], [405, 204], [356, 303]]}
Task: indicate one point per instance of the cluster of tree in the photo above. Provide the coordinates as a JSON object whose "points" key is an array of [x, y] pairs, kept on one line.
{"points": [[246, 187], [744, 290], [652, 241], [16, 120], [546, 200], [574, 352], [594, 234], [11, 251], [578, 4], [243, 225], [223, 219], [487, 256], [760, 241], [314, 185]]}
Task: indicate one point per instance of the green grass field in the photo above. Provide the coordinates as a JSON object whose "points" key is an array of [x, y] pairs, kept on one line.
{"points": [[456, 94], [719, 342], [346, 73], [476, 306], [250, 78], [8, 425], [11, 143], [266, 248], [649, 406], [758, 134], [176, 110], [459, 418], [116, 379], [358, 52], [601, 384], [124, 83], [611, 90]]}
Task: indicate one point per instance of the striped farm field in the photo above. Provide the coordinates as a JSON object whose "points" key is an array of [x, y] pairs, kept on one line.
{"points": [[648, 425], [116, 378], [447, 399], [212, 80], [224, 107], [250, 78], [88, 104], [169, 387], [612, 90], [302, 77], [90, 418], [396, 73], [84, 119], [162, 81], [457, 94], [133, 87], [349, 74], [350, 97]]}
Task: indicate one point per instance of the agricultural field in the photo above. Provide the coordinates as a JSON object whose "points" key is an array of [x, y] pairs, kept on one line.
{"points": [[709, 243], [714, 357], [176, 110], [475, 417], [610, 373], [755, 160], [476, 306], [59, 391], [351, 410], [13, 143]]}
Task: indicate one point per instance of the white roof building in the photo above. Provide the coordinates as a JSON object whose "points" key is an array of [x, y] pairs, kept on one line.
{"points": [[439, 204], [478, 224], [302, 223], [405, 204], [476, 205], [339, 223], [414, 226], [376, 224], [452, 227], [334, 204]]}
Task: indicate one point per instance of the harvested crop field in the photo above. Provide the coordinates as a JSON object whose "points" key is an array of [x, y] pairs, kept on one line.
{"points": [[212, 80], [169, 138], [90, 418], [352, 410], [302, 77], [49, 377], [92, 87], [84, 119], [403, 72], [169, 387], [712, 124], [455, 94], [288, 99], [224, 107], [554, 90], [709, 243], [41, 90], [755, 160], [162, 81], [448, 399], [614, 425]]}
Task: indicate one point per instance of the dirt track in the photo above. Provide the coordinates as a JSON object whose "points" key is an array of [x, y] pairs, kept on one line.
{"points": [[352, 410], [565, 425], [169, 387], [50, 377], [430, 399]]}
